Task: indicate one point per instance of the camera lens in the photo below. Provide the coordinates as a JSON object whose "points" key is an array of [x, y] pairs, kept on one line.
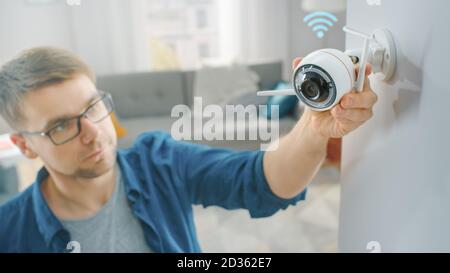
{"points": [[314, 88], [310, 89]]}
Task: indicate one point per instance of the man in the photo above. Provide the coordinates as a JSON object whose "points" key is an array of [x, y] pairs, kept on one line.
{"points": [[96, 199]]}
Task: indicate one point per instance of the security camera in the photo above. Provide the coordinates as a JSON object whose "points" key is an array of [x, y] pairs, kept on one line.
{"points": [[324, 76]]}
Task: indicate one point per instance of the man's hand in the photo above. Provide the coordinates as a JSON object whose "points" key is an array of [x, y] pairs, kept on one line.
{"points": [[353, 110]]}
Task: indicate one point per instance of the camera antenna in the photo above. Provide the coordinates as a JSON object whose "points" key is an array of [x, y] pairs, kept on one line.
{"points": [[280, 92], [359, 84]]}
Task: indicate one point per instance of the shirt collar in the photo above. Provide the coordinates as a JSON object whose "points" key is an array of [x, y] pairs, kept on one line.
{"points": [[47, 222], [130, 175]]}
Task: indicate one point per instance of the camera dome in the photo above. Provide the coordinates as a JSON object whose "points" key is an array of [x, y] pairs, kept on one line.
{"points": [[323, 77]]}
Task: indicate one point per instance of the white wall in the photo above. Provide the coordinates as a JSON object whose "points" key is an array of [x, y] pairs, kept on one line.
{"points": [[23, 26], [396, 175]]}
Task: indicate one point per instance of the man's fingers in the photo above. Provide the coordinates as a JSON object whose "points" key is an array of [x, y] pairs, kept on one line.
{"points": [[366, 85], [355, 115], [367, 71], [296, 61], [359, 99]]}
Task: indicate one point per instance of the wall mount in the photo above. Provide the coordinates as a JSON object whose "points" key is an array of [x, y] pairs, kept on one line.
{"points": [[381, 51]]}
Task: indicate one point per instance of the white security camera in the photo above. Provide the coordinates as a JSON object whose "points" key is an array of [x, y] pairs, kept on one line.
{"points": [[324, 76]]}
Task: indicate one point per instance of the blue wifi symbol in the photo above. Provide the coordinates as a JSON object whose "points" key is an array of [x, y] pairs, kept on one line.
{"points": [[320, 21]]}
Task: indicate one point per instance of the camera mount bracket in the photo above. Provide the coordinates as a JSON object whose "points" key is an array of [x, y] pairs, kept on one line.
{"points": [[379, 50]]}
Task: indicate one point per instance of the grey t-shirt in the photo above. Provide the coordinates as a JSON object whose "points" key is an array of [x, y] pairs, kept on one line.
{"points": [[112, 229]]}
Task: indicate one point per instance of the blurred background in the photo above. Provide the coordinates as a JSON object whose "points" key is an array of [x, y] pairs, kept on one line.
{"points": [[154, 54], [116, 36]]}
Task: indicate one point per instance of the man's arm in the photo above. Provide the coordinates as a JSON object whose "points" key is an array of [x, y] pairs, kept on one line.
{"points": [[300, 153], [299, 156]]}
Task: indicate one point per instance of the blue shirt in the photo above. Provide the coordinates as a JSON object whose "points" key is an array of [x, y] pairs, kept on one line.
{"points": [[163, 179]]}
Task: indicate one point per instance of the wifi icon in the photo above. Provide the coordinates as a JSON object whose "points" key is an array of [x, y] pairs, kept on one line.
{"points": [[320, 21]]}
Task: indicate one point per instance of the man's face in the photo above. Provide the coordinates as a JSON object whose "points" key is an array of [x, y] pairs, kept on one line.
{"points": [[90, 154]]}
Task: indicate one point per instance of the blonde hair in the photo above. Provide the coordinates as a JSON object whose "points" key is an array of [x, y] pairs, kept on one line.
{"points": [[33, 69]]}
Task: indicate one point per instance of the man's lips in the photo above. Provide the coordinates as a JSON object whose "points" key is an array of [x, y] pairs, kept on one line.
{"points": [[95, 154]]}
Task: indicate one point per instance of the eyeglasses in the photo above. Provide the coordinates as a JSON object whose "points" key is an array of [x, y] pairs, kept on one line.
{"points": [[69, 129]]}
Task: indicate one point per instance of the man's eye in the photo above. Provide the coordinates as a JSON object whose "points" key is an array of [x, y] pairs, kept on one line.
{"points": [[95, 107], [61, 127]]}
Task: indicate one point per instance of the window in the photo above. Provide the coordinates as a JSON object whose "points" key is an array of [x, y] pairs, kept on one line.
{"points": [[201, 17], [180, 33], [203, 50]]}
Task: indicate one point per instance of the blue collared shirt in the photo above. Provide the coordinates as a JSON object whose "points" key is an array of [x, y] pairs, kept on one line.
{"points": [[163, 178]]}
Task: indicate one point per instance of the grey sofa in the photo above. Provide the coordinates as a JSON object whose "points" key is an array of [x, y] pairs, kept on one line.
{"points": [[143, 101]]}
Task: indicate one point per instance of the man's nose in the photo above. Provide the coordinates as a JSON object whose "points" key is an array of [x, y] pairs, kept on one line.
{"points": [[89, 130]]}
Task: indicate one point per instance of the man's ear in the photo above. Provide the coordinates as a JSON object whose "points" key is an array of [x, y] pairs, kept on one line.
{"points": [[22, 144]]}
